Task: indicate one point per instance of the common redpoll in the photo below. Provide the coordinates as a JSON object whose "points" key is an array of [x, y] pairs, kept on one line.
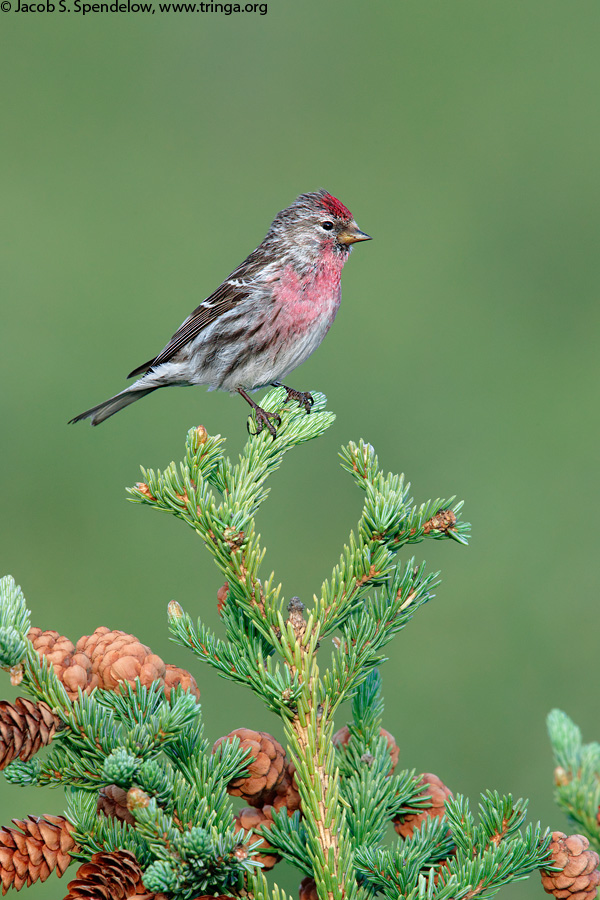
{"points": [[266, 318]]}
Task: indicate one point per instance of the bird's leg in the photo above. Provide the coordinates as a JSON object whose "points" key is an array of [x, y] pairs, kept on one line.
{"points": [[304, 398], [263, 418]]}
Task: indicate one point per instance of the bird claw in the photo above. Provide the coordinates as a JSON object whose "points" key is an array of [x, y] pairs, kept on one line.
{"points": [[263, 420], [304, 398]]}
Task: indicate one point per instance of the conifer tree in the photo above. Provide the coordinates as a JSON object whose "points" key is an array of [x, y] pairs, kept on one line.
{"points": [[149, 805]]}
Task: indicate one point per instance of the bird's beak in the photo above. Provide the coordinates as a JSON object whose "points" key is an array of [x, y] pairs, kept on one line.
{"points": [[352, 234]]}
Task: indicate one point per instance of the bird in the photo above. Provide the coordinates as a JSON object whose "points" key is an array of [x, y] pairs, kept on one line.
{"points": [[267, 317]]}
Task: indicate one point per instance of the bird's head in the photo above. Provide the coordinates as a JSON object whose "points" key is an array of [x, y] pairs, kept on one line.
{"points": [[315, 224]]}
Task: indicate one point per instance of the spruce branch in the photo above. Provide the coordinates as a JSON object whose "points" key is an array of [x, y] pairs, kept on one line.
{"points": [[374, 624], [310, 739], [287, 835], [27, 667], [366, 757], [495, 851], [14, 623], [258, 889], [225, 522], [576, 776], [454, 857], [95, 833], [388, 521], [406, 869]]}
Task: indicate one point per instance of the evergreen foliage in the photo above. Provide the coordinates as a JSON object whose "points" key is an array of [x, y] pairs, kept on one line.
{"points": [[577, 775], [151, 745]]}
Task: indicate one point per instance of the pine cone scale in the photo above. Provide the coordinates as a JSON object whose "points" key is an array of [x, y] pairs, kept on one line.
{"points": [[50, 835], [21, 864], [35, 853], [20, 839]]}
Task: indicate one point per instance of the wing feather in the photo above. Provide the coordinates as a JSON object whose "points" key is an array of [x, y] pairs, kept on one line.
{"points": [[236, 288]]}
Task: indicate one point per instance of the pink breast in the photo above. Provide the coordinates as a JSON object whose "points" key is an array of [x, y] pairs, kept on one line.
{"points": [[304, 302]]}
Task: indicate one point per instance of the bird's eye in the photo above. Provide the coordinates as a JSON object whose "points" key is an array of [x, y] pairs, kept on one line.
{"points": [[327, 226]]}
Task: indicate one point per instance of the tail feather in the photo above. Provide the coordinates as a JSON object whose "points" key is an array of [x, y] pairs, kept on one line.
{"points": [[104, 410]]}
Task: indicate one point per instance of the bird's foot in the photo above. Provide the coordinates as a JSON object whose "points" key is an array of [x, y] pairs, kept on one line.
{"points": [[304, 398], [263, 420]]}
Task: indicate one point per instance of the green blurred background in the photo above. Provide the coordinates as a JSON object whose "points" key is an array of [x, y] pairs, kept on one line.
{"points": [[143, 158]]}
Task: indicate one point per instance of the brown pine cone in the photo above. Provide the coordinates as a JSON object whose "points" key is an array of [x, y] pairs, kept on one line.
{"points": [[112, 802], [117, 656], [393, 748], [175, 676], [109, 876], [266, 768], [579, 877], [444, 521], [342, 737], [438, 793], [38, 846], [286, 792], [222, 597], [25, 726], [106, 658], [250, 819], [72, 667], [308, 889]]}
